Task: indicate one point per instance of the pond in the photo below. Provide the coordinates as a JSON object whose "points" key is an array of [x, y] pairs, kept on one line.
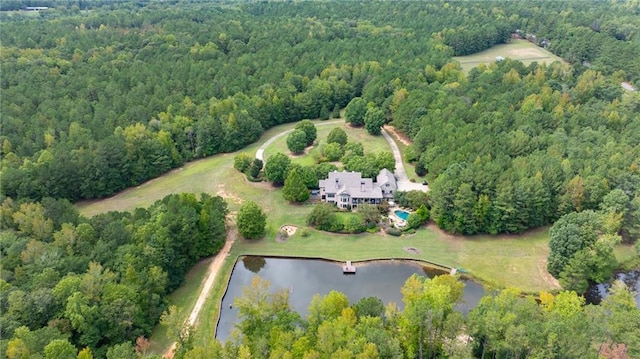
{"points": [[401, 214], [306, 277], [596, 293]]}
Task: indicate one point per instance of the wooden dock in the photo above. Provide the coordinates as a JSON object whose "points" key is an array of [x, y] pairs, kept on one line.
{"points": [[348, 268]]}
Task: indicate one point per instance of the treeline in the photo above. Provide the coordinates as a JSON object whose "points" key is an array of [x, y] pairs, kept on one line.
{"points": [[70, 283], [510, 147], [504, 325], [467, 40]]}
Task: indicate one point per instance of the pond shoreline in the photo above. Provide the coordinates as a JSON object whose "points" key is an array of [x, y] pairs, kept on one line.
{"points": [[228, 271]]}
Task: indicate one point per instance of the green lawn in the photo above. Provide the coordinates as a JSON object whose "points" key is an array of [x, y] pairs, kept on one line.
{"points": [[371, 144], [521, 50]]}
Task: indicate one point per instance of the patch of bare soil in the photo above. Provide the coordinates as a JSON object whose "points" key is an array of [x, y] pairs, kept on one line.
{"points": [[285, 232], [304, 153], [226, 195], [546, 276], [412, 250], [399, 136]]}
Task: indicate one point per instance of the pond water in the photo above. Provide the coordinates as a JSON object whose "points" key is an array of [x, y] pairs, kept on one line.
{"points": [[402, 214], [306, 277], [596, 293]]}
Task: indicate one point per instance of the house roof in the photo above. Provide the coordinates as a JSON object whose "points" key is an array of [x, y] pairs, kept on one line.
{"points": [[385, 176], [350, 183]]}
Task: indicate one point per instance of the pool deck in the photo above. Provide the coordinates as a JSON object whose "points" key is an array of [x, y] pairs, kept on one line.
{"points": [[397, 220]]}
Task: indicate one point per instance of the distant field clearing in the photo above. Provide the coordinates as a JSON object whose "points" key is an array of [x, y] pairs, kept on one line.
{"points": [[521, 50]]}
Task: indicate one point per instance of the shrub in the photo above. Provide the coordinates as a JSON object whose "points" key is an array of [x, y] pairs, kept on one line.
{"points": [[321, 216], [337, 135], [256, 167], [354, 225], [242, 161], [373, 230], [411, 199], [304, 232], [333, 151], [393, 232]]}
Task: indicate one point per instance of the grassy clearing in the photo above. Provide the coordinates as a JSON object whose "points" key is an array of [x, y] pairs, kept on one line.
{"points": [[521, 50], [371, 144]]}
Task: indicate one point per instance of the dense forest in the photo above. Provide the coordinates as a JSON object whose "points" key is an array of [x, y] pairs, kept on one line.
{"points": [[97, 283], [103, 95]]}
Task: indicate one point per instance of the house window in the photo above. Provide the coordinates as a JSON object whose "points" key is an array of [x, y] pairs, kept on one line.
{"points": [[330, 195]]}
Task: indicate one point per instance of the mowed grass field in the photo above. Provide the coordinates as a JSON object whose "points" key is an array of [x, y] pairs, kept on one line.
{"points": [[521, 50], [371, 144]]}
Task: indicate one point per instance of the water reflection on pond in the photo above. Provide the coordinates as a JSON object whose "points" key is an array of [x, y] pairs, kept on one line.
{"points": [[597, 292], [306, 277]]}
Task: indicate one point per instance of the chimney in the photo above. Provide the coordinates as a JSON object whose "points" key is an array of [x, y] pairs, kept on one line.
{"points": [[361, 186]]}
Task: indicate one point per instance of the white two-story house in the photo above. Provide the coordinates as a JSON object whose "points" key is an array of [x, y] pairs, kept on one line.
{"points": [[349, 189]]}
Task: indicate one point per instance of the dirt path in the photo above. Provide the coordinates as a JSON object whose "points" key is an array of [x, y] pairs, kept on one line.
{"points": [[212, 273], [404, 139]]}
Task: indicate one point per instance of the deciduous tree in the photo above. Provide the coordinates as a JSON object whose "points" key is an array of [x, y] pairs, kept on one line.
{"points": [[337, 135], [297, 141], [276, 168], [251, 220], [355, 111]]}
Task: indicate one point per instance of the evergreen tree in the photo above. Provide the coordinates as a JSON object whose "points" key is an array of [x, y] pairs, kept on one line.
{"points": [[294, 189], [256, 167]]}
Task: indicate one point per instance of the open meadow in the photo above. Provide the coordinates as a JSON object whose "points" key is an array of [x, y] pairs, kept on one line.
{"points": [[521, 50]]}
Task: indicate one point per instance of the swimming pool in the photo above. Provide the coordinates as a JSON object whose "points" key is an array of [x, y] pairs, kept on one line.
{"points": [[402, 214]]}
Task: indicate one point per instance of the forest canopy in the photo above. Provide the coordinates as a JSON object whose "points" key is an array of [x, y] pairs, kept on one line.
{"points": [[101, 281], [106, 95]]}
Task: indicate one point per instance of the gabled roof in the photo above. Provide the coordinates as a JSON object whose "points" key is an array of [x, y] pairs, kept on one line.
{"points": [[385, 176]]}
